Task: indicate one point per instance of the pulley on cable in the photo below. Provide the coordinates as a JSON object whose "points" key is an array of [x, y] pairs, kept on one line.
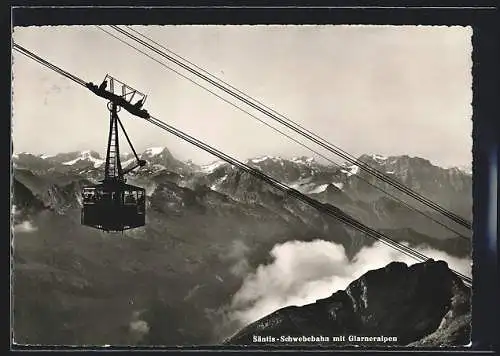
{"points": [[113, 205]]}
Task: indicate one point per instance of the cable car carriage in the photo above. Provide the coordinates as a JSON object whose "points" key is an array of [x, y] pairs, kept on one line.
{"points": [[114, 205]]}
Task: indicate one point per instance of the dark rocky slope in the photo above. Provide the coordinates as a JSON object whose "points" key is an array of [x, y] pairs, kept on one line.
{"points": [[424, 304]]}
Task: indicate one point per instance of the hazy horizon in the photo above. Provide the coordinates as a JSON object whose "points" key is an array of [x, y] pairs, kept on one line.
{"points": [[385, 90], [214, 159]]}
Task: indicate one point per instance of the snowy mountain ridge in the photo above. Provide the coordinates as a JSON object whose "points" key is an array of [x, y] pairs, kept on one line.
{"points": [[97, 160]]}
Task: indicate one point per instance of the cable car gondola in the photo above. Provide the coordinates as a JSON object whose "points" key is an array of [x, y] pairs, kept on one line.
{"points": [[114, 205]]}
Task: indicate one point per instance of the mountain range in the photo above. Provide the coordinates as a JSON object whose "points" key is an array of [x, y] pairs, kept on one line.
{"points": [[207, 228]]}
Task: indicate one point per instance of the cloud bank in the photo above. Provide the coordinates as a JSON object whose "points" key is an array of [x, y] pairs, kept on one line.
{"points": [[25, 226]]}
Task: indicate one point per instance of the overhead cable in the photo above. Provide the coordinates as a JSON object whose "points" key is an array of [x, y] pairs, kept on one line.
{"points": [[353, 160], [311, 136]]}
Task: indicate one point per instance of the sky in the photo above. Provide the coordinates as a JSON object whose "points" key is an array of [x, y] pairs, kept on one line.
{"points": [[386, 90]]}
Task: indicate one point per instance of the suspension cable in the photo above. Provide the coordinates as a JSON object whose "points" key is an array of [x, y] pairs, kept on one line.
{"points": [[325, 208], [399, 200], [313, 137], [42, 61]]}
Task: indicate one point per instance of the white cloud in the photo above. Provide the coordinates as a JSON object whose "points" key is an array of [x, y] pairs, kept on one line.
{"points": [[302, 272], [237, 255], [25, 226], [139, 326]]}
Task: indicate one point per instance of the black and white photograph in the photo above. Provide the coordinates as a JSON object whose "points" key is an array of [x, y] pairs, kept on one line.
{"points": [[209, 185]]}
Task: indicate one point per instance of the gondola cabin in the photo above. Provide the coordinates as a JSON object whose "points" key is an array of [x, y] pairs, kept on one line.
{"points": [[113, 206]]}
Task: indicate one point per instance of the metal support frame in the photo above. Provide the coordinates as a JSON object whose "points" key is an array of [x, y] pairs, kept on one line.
{"points": [[113, 169], [123, 90]]}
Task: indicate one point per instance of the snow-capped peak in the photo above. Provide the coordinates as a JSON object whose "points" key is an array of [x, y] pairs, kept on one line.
{"points": [[303, 160], [378, 157], [338, 185], [16, 155], [128, 162], [209, 168], [45, 156], [319, 189], [374, 157], [264, 158], [86, 156], [466, 168], [153, 151], [350, 170], [306, 186]]}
